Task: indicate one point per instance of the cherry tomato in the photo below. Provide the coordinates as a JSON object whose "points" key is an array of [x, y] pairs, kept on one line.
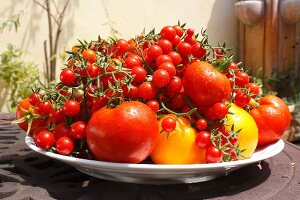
{"points": [[190, 39], [178, 101], [64, 146], [190, 31], [56, 116], [153, 52], [154, 105], [162, 59], [133, 93], [201, 124], [122, 46], [43, 108], [176, 41], [61, 130], [213, 155], [139, 74], [78, 130], [174, 86], [133, 61], [93, 70], [45, 140], [71, 108], [184, 49], [253, 89], [169, 67], [241, 79], [165, 45], [179, 30], [203, 139], [160, 78], [67, 77], [147, 90], [89, 55], [220, 110], [168, 32], [176, 58], [197, 50], [241, 99], [35, 98], [168, 124]]}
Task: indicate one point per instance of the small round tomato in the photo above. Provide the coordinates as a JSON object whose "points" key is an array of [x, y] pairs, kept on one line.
{"points": [[78, 130], [56, 116], [220, 110], [71, 108], [241, 99], [89, 55], [201, 124], [133, 61], [43, 108], [169, 67], [154, 105], [179, 30], [45, 140], [178, 101], [253, 89], [184, 49], [203, 139], [168, 32], [147, 90], [93, 70], [241, 79], [153, 52], [133, 92], [197, 50], [176, 41], [162, 59], [160, 78], [35, 98], [168, 124], [67, 77], [64, 146], [122, 46], [176, 58], [165, 45], [139, 74], [213, 155], [61, 130], [174, 86]]}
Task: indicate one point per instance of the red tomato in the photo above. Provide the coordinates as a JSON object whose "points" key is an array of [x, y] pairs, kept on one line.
{"points": [[35, 98], [67, 77], [205, 85], [139, 74], [45, 140], [201, 124], [78, 130], [178, 101], [198, 51], [272, 118], [127, 133], [122, 46], [169, 67], [64, 146], [56, 116], [253, 89], [154, 105], [153, 52], [176, 58], [165, 45], [160, 78], [241, 78], [168, 32], [220, 110], [61, 130], [71, 108], [174, 86], [203, 139], [213, 155], [179, 30], [168, 124], [147, 90], [184, 49], [162, 59], [43, 108]]}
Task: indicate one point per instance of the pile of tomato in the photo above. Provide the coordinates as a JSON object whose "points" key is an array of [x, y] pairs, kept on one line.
{"points": [[163, 95]]}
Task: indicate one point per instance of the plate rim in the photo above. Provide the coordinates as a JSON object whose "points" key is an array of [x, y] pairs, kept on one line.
{"points": [[278, 147]]}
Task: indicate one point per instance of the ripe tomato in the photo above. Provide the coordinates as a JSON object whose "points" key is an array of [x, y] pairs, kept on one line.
{"points": [[78, 130], [169, 67], [139, 74], [253, 89], [198, 51], [71, 108], [45, 140], [178, 146], [127, 133], [64, 146], [133, 61], [160, 78], [213, 155], [247, 137], [35, 98], [178, 101], [89, 55], [56, 116], [241, 79], [122, 46], [176, 58], [147, 90], [220, 110], [201, 124], [162, 59], [61, 130], [168, 124], [43, 108], [25, 109], [272, 117], [165, 45], [203, 139], [179, 30], [154, 105], [168, 32], [67, 77], [153, 52], [184, 49], [212, 86], [174, 86]]}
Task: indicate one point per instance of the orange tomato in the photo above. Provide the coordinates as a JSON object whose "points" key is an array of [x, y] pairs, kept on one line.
{"points": [[178, 146]]}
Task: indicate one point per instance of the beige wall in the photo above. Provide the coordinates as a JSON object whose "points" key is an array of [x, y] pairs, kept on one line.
{"points": [[86, 19]]}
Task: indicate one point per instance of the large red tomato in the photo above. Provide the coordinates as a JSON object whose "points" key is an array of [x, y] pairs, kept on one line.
{"points": [[127, 133], [205, 85], [24, 108], [272, 118]]}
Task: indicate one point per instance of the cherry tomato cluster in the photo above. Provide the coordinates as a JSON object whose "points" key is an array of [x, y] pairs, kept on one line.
{"points": [[148, 68]]}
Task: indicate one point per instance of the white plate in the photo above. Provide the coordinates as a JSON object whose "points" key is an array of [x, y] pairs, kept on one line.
{"points": [[158, 174]]}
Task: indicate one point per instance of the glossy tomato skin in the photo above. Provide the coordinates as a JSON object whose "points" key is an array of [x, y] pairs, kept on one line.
{"points": [[272, 118], [205, 85], [127, 133], [36, 123]]}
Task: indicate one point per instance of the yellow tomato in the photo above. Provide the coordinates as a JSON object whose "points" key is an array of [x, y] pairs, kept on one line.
{"points": [[178, 146], [248, 136]]}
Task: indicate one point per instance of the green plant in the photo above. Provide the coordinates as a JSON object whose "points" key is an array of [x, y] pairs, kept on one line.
{"points": [[17, 73], [13, 21]]}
